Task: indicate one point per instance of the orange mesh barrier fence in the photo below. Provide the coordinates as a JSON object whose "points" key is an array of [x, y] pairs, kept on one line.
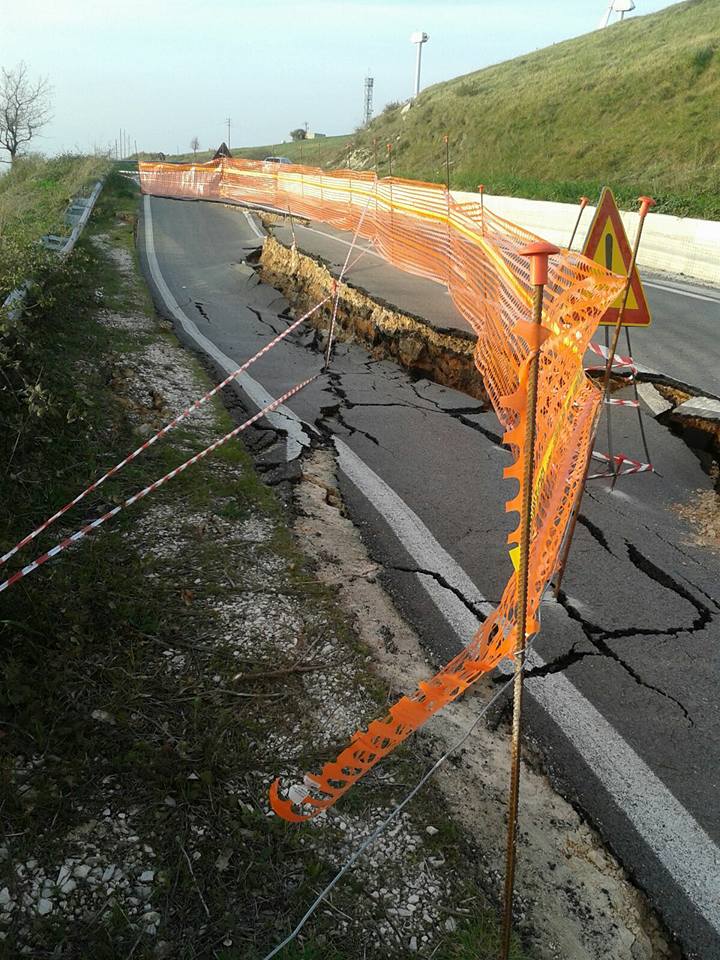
{"points": [[419, 228]]}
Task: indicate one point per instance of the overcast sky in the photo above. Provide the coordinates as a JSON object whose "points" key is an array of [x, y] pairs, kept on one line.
{"points": [[168, 70]]}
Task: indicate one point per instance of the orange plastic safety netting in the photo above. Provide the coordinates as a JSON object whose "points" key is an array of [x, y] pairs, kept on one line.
{"points": [[420, 228]]}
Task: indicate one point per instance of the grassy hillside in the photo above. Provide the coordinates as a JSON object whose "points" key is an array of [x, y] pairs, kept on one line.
{"points": [[635, 106], [322, 152]]}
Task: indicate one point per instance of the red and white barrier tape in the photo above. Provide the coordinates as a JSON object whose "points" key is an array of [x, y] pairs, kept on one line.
{"points": [[620, 460], [88, 528], [618, 361], [160, 433], [617, 402]]}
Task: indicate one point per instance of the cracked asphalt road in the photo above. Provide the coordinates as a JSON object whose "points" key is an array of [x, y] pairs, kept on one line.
{"points": [[628, 656]]}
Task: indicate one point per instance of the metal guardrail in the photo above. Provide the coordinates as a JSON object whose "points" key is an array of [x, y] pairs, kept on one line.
{"points": [[76, 216]]}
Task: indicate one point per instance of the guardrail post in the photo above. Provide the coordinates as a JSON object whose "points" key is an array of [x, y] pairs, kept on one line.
{"points": [[538, 253]]}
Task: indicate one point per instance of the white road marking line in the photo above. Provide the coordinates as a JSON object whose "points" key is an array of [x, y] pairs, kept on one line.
{"points": [[283, 418], [681, 293], [674, 836], [253, 227], [359, 246]]}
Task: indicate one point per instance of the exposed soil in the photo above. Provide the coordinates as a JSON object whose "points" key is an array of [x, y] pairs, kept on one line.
{"points": [[445, 357]]}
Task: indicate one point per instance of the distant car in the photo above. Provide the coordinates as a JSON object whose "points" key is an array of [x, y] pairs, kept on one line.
{"points": [[277, 160]]}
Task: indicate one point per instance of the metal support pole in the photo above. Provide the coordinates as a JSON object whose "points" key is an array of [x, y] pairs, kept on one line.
{"points": [[538, 253], [481, 191], [417, 68], [608, 409], [584, 201], [645, 204], [446, 138], [643, 435]]}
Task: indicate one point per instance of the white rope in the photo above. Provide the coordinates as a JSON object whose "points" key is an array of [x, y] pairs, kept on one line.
{"points": [[372, 837]]}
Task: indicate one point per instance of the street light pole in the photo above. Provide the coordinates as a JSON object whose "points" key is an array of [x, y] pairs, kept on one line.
{"points": [[418, 38]]}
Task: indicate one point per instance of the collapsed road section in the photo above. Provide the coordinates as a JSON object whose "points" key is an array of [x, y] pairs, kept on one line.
{"points": [[618, 708]]}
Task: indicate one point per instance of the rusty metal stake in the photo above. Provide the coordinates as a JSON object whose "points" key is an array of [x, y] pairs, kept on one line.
{"points": [[584, 201], [538, 254], [645, 204]]}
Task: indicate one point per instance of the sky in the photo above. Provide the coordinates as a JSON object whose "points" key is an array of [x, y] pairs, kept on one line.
{"points": [[169, 70]]}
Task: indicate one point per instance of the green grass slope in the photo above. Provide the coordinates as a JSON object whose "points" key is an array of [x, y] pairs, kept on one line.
{"points": [[636, 105], [320, 152]]}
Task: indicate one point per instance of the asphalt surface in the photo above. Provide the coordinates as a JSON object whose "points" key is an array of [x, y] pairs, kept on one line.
{"points": [[623, 683], [682, 343]]}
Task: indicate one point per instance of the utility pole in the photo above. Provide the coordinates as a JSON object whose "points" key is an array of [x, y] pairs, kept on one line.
{"points": [[227, 142], [368, 100], [418, 38]]}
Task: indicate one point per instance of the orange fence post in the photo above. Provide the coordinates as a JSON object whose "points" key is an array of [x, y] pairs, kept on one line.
{"points": [[446, 140], [481, 191], [584, 201], [538, 253], [389, 156]]}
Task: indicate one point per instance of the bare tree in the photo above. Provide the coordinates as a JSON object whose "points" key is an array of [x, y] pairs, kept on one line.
{"points": [[194, 145], [24, 107]]}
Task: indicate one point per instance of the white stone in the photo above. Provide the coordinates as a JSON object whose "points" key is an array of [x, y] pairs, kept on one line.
{"points": [[705, 408], [431, 831], [68, 887], [44, 907], [103, 716], [450, 925], [4, 896], [412, 946], [108, 873], [653, 399], [169, 802], [147, 876], [81, 871]]}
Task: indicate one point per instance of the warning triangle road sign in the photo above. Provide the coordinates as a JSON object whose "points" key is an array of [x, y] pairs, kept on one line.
{"points": [[607, 244]]}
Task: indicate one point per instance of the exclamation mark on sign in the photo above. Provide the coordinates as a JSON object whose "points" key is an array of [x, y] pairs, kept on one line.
{"points": [[609, 251]]}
